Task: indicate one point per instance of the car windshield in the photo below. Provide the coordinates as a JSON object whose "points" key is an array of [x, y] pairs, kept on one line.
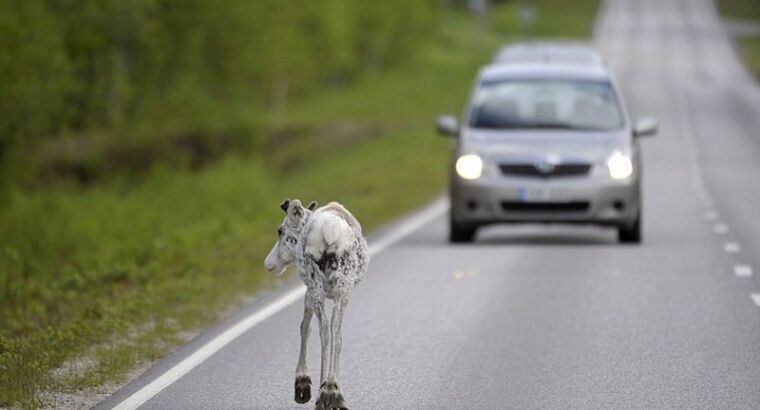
{"points": [[546, 104]]}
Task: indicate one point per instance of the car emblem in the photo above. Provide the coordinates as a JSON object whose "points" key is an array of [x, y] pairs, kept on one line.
{"points": [[545, 167]]}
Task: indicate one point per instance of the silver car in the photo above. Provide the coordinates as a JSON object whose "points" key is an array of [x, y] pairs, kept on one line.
{"points": [[545, 137]]}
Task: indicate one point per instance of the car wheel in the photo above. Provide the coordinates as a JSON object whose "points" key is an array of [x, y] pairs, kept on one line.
{"points": [[459, 233], [631, 233]]}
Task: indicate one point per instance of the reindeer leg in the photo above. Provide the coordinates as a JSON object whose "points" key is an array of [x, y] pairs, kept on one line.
{"points": [[337, 326], [303, 381], [330, 396], [324, 335]]}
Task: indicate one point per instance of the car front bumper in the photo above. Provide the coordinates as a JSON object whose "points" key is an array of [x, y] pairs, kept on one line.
{"points": [[601, 201]]}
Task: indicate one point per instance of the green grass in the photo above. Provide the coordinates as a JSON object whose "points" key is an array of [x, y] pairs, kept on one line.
{"points": [[110, 276], [749, 47], [569, 19], [740, 9], [750, 51]]}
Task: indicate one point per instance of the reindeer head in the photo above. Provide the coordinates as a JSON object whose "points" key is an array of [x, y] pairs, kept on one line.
{"points": [[284, 251]]}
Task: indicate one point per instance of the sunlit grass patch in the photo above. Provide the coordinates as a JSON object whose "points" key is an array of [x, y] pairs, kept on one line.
{"points": [[750, 51], [745, 11]]}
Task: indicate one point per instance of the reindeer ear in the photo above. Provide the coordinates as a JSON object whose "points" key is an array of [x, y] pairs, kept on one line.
{"points": [[284, 205], [312, 205]]}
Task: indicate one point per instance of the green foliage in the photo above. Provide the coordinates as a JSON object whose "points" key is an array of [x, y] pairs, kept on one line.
{"points": [[568, 17], [79, 64], [96, 89], [740, 9], [748, 47], [750, 52], [34, 71]]}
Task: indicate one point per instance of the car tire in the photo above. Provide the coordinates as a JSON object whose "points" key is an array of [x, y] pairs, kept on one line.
{"points": [[631, 233], [459, 233]]}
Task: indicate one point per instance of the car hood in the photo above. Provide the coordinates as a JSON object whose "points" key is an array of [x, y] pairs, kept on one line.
{"points": [[555, 146]]}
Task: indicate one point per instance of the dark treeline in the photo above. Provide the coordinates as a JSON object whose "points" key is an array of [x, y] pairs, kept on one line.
{"points": [[68, 66]]}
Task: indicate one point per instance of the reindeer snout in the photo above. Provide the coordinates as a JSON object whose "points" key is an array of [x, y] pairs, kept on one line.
{"points": [[273, 264], [269, 262]]}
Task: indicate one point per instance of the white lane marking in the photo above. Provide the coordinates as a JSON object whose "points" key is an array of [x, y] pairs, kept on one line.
{"points": [[138, 398], [141, 396], [459, 274], [743, 271], [732, 247], [720, 228], [710, 215], [756, 298]]}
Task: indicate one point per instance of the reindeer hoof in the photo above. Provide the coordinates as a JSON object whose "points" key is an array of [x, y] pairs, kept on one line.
{"points": [[330, 398], [303, 389]]}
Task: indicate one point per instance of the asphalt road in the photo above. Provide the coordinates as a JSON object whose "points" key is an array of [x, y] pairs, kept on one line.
{"points": [[557, 317]]}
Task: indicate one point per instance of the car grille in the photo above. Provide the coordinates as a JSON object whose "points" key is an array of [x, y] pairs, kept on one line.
{"points": [[573, 206], [533, 170]]}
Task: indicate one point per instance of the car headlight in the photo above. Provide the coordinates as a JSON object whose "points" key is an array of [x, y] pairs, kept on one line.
{"points": [[620, 166], [469, 166]]}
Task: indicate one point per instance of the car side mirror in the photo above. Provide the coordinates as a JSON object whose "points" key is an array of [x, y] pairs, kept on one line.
{"points": [[645, 127], [447, 125]]}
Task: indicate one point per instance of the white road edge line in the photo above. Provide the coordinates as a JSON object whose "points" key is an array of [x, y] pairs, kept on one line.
{"points": [[160, 383], [743, 271]]}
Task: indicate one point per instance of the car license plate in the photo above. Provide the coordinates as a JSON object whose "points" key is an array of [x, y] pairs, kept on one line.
{"points": [[542, 194]]}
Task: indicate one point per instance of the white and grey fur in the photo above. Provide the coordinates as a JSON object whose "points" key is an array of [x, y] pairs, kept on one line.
{"points": [[330, 254]]}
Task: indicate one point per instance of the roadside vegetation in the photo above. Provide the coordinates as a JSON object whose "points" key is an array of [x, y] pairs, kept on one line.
{"points": [[747, 11], [144, 148]]}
